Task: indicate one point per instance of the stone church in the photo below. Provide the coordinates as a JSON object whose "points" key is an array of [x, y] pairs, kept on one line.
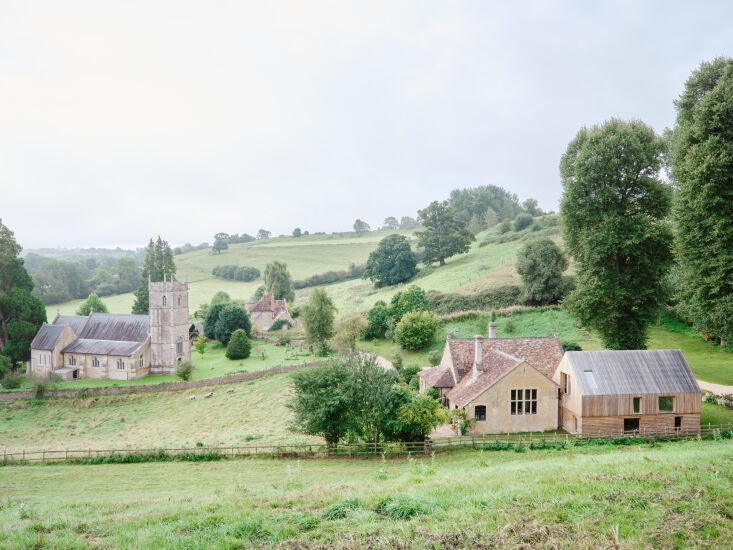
{"points": [[117, 346]]}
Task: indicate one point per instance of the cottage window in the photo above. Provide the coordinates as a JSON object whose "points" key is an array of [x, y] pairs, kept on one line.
{"points": [[678, 422], [120, 364], [480, 412], [666, 403], [637, 405], [523, 401], [95, 362]]}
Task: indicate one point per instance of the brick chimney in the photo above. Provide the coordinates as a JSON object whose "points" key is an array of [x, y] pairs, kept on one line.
{"points": [[492, 329], [478, 366]]}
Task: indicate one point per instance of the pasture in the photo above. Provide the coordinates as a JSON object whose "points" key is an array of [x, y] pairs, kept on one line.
{"points": [[670, 495]]}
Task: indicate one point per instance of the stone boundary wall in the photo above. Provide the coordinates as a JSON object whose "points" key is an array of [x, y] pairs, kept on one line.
{"points": [[152, 388]]}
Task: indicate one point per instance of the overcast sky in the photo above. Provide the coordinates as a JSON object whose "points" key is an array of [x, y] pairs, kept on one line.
{"points": [[124, 120]]}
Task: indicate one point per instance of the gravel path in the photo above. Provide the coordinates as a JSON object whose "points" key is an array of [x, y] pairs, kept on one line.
{"points": [[717, 389]]}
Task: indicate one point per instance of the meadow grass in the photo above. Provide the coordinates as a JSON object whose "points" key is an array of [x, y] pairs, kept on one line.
{"points": [[669, 495]]}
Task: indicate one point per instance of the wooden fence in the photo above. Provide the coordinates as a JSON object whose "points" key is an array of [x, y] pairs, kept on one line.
{"points": [[352, 450]]}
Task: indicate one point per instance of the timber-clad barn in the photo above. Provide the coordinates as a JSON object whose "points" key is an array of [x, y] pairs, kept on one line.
{"points": [[632, 390]]}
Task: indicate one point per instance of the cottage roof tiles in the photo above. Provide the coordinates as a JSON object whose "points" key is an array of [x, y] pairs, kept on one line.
{"points": [[495, 365]]}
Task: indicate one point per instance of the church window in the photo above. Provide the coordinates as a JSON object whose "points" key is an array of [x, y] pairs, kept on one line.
{"points": [[164, 301], [179, 346], [120, 364], [72, 361], [179, 301], [142, 361], [95, 362]]}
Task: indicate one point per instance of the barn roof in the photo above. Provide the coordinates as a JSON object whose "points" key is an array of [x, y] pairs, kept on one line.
{"points": [[47, 337], [76, 322], [632, 372], [102, 347], [116, 327]]}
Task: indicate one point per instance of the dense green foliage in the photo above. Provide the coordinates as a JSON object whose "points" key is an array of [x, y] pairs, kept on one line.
{"points": [[541, 264], [391, 263], [230, 318], [391, 223], [445, 235], [357, 396], [236, 273], [377, 320], [21, 313], [330, 277], [278, 282], [702, 167], [279, 324], [406, 301], [158, 265], [503, 296], [481, 207], [522, 221], [92, 303], [613, 211], [318, 315], [348, 330], [239, 346], [361, 227], [57, 281], [416, 330], [184, 370], [5, 366]]}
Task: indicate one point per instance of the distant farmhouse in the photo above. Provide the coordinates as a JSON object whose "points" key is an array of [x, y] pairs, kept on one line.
{"points": [[117, 347], [530, 384], [265, 312]]}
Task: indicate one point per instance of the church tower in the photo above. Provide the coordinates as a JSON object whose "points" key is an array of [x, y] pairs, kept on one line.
{"points": [[169, 344]]}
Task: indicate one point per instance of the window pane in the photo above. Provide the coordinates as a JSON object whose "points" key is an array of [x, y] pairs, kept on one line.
{"points": [[534, 394], [514, 407], [534, 407], [514, 394], [519, 407], [637, 404], [666, 403]]}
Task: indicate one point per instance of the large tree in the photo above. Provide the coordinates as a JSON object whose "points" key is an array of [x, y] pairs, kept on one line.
{"points": [[21, 313], [361, 227], [391, 263], [613, 212], [278, 282], [445, 234], [231, 317], [159, 264], [702, 167], [92, 303], [318, 316], [541, 263]]}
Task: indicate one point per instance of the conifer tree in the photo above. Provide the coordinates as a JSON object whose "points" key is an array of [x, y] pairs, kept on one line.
{"points": [[158, 264]]}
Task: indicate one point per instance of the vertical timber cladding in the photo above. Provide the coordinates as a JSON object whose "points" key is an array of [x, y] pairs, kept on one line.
{"points": [[169, 343]]}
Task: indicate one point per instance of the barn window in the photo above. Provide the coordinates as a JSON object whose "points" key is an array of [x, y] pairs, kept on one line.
{"points": [[165, 301], [637, 405], [480, 412], [666, 403], [631, 424], [523, 401]]}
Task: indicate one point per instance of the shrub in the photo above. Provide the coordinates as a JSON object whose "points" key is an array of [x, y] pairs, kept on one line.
{"points": [[401, 507], [571, 346], [348, 331], [509, 326], [416, 330], [12, 381], [505, 227], [407, 301], [377, 320], [503, 296], [709, 398], [433, 392], [522, 221], [435, 356], [236, 273], [279, 324], [184, 370], [239, 346]]}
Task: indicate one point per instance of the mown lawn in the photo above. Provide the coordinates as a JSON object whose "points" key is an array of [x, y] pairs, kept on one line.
{"points": [[673, 495]]}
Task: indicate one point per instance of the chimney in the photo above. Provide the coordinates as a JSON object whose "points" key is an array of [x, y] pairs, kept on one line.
{"points": [[492, 329], [477, 356]]}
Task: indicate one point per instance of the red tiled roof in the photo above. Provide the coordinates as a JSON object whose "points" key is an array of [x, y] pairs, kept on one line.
{"points": [[495, 365], [437, 377]]}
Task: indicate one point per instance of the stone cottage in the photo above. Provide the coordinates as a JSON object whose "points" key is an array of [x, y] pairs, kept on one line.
{"points": [[265, 312]]}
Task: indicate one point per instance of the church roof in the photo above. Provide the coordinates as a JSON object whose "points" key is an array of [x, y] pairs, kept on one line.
{"points": [[102, 347], [47, 337], [76, 322], [116, 327]]}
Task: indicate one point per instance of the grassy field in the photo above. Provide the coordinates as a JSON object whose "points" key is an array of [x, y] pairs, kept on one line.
{"points": [[673, 495], [255, 412]]}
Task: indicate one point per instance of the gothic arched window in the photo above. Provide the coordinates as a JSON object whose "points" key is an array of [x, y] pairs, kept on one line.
{"points": [[164, 301]]}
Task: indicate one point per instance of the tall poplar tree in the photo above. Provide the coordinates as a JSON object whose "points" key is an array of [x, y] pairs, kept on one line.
{"points": [[613, 213], [158, 264], [702, 168]]}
